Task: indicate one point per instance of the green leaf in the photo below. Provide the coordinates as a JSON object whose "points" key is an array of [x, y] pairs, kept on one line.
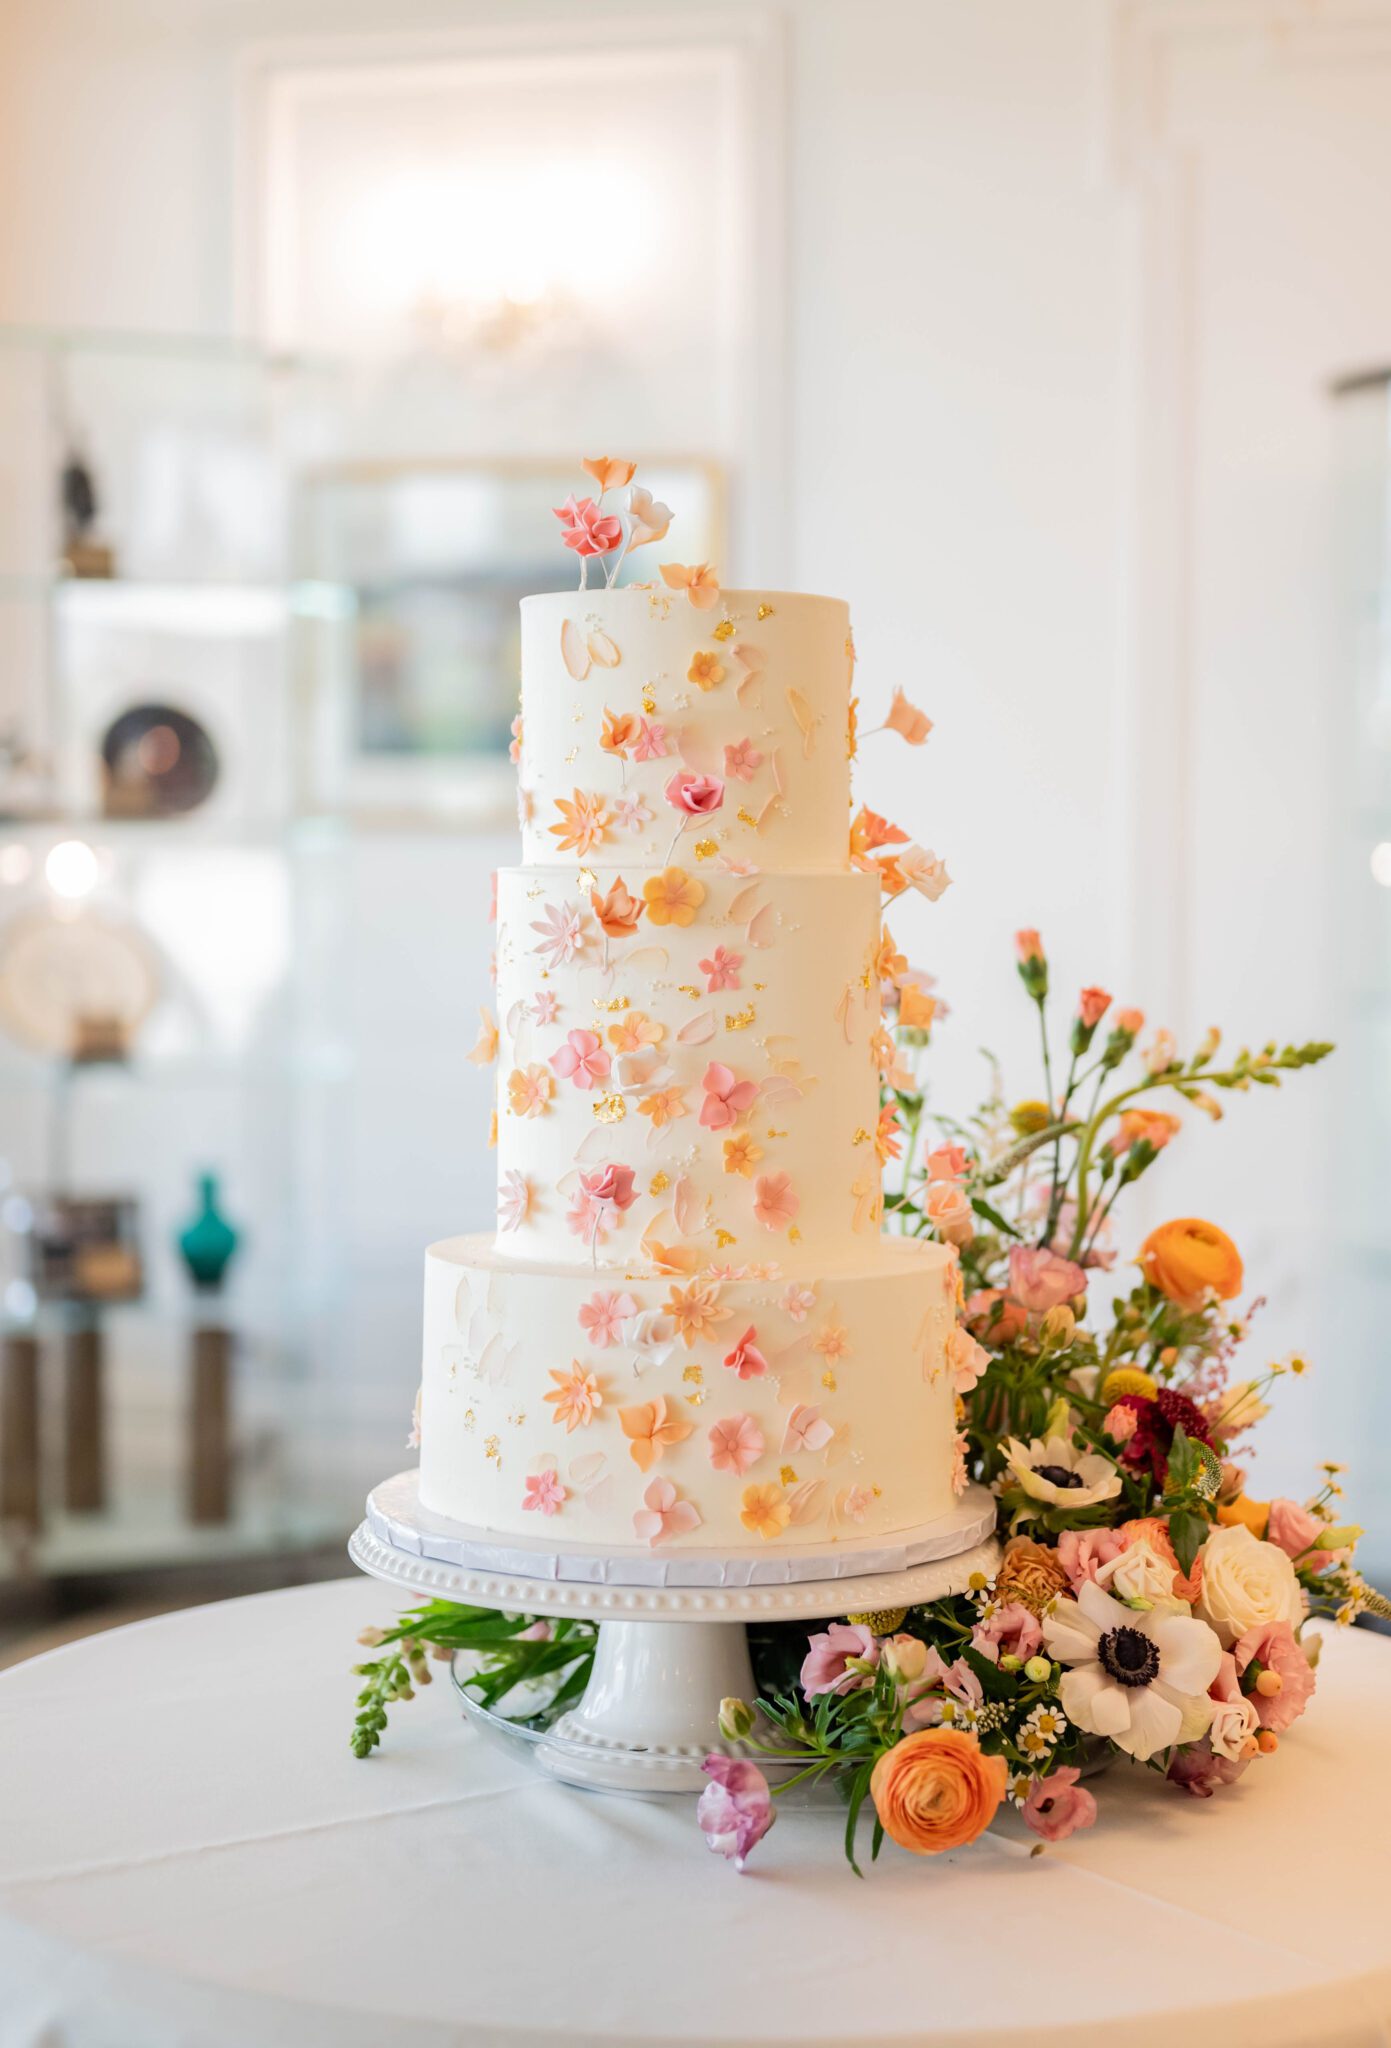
{"points": [[1187, 1533], [994, 1683], [993, 1217]]}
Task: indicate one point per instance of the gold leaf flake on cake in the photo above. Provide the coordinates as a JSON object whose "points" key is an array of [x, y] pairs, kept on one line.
{"points": [[516, 1419], [686, 988], [724, 1238], [828, 1381], [469, 1418], [794, 1235], [611, 1003], [532, 894], [587, 878], [659, 1184], [862, 1136], [649, 702], [775, 1134], [706, 849], [760, 985], [725, 630], [740, 1020], [610, 1109], [492, 1450], [787, 1475], [693, 1375], [765, 611], [746, 817], [572, 757]]}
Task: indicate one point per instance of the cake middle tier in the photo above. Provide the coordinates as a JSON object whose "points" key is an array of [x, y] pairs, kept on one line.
{"points": [[687, 1070]]}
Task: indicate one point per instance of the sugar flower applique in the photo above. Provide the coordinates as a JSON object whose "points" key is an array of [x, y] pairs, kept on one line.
{"points": [[923, 871], [673, 897], [617, 911], [514, 1201], [807, 1430], [741, 1154], [635, 1031], [529, 1091], [665, 1107], [764, 1510], [610, 472], [620, 731], [581, 1059], [577, 1398], [585, 529], [798, 1301], [562, 931], [545, 1006], [696, 1310], [589, 531], [514, 751], [726, 1099], [736, 1444], [631, 813], [602, 1318], [706, 671], [651, 519], [868, 830], [698, 581], [775, 1205], [906, 720], [832, 1340], [696, 796], [664, 1514], [485, 1047], [651, 741], [584, 822], [651, 1337], [544, 1493], [721, 970], [742, 761], [610, 1187], [746, 1359], [651, 1431]]}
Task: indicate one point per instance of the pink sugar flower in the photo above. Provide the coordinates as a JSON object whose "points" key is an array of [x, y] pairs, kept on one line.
{"points": [[726, 1098], [585, 1217], [775, 1206], [826, 1666], [651, 742], [807, 1431], [1040, 1280], [699, 796], [610, 1184], [1281, 1690], [742, 761], [735, 1811], [664, 1514], [631, 813], [545, 1006], [544, 1493], [585, 529], [721, 970], [736, 1444], [798, 1302], [1011, 1631], [948, 1162], [1057, 1806], [582, 1059], [746, 1359], [602, 1318]]}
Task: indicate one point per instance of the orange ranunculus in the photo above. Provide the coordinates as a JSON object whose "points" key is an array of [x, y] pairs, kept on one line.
{"points": [[1187, 1258], [936, 1790], [1253, 1514]]}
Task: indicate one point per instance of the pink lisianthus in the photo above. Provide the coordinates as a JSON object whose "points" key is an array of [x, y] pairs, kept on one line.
{"points": [[1011, 1631], [699, 796], [992, 1316], [1082, 1552], [1057, 1806], [948, 1208], [1040, 1280], [735, 1811], [961, 1686], [585, 529], [1199, 1770], [1281, 1690], [825, 1666], [1295, 1531], [610, 1184]]}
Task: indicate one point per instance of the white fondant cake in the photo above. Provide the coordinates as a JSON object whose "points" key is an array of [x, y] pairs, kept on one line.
{"points": [[689, 1327]]}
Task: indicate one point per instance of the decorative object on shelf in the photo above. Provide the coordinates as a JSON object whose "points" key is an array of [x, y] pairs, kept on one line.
{"points": [[21, 1502], [84, 1416], [207, 1246], [84, 555], [86, 1249], [157, 762], [1144, 1601], [65, 978]]}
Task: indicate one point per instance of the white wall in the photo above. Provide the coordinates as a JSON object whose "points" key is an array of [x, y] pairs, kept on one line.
{"points": [[1064, 286]]}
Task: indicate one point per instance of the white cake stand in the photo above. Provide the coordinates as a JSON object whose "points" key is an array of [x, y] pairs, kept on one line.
{"points": [[667, 1654]]}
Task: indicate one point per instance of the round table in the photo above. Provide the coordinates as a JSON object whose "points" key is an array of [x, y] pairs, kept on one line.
{"points": [[189, 1854]]}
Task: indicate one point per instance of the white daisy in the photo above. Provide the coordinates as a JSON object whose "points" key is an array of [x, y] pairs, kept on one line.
{"points": [[1139, 1678]]}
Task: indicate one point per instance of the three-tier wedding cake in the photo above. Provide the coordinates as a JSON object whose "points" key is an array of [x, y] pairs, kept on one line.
{"points": [[689, 1330]]}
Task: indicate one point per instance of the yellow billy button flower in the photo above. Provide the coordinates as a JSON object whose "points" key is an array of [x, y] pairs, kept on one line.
{"points": [[1128, 1379]]}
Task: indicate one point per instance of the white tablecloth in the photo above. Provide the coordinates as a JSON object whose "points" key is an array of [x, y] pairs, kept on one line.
{"points": [[190, 1857]]}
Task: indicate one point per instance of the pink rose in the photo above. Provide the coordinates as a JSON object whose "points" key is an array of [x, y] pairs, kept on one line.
{"points": [[699, 796], [1057, 1806], [824, 1666], [948, 1208], [1082, 1552], [610, 1184], [1011, 1631], [1297, 1532], [1280, 1692], [735, 1811], [1040, 1280]]}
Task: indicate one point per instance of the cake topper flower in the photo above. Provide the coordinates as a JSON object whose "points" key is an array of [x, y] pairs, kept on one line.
{"points": [[699, 582], [590, 531]]}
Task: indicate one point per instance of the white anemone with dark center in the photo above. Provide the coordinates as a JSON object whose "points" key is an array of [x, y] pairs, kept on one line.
{"points": [[1138, 1676]]}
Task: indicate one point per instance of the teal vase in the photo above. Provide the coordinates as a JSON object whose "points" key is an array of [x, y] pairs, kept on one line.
{"points": [[209, 1241]]}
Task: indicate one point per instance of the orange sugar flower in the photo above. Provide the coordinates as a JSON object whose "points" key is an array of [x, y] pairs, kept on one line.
{"points": [[890, 964], [529, 1091], [577, 1398], [635, 1031], [832, 1340], [618, 911], [906, 720], [741, 1155], [485, 1048], [584, 822], [775, 1205], [695, 1310], [915, 1010], [706, 670], [670, 1259], [673, 897], [892, 879], [664, 1107], [868, 830], [764, 1510], [699, 583], [621, 729], [651, 1431], [888, 1134], [610, 472]]}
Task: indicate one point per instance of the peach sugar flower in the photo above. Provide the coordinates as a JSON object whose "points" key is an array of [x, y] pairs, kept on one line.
{"points": [[868, 830], [651, 742], [544, 1492], [485, 1046], [721, 970], [736, 1443], [545, 1006], [651, 1431], [581, 1059], [832, 1340], [798, 1302], [695, 1310], [726, 1098], [529, 1091], [584, 822], [673, 897], [617, 911], [922, 870], [706, 671], [906, 720], [742, 761], [602, 1318], [610, 472], [664, 1107], [698, 581], [764, 1510], [916, 1010], [741, 1155], [577, 1398], [695, 796], [635, 1031], [775, 1205], [948, 1207], [807, 1431], [888, 1134], [746, 1359], [649, 516], [664, 1514], [620, 731], [947, 1162]]}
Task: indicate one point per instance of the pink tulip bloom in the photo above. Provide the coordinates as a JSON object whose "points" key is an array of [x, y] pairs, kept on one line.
{"points": [[581, 1059], [735, 1811]]}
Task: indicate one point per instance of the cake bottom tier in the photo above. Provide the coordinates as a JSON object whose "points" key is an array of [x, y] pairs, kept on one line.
{"points": [[746, 1413]]}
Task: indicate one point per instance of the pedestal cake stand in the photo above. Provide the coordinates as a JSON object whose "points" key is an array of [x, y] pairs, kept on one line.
{"points": [[671, 1639]]}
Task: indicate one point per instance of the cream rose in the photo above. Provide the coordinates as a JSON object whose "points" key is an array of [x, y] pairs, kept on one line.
{"points": [[1246, 1584], [1232, 1725], [1140, 1573]]}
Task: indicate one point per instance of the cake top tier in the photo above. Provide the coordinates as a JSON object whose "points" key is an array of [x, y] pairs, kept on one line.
{"points": [[655, 727]]}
